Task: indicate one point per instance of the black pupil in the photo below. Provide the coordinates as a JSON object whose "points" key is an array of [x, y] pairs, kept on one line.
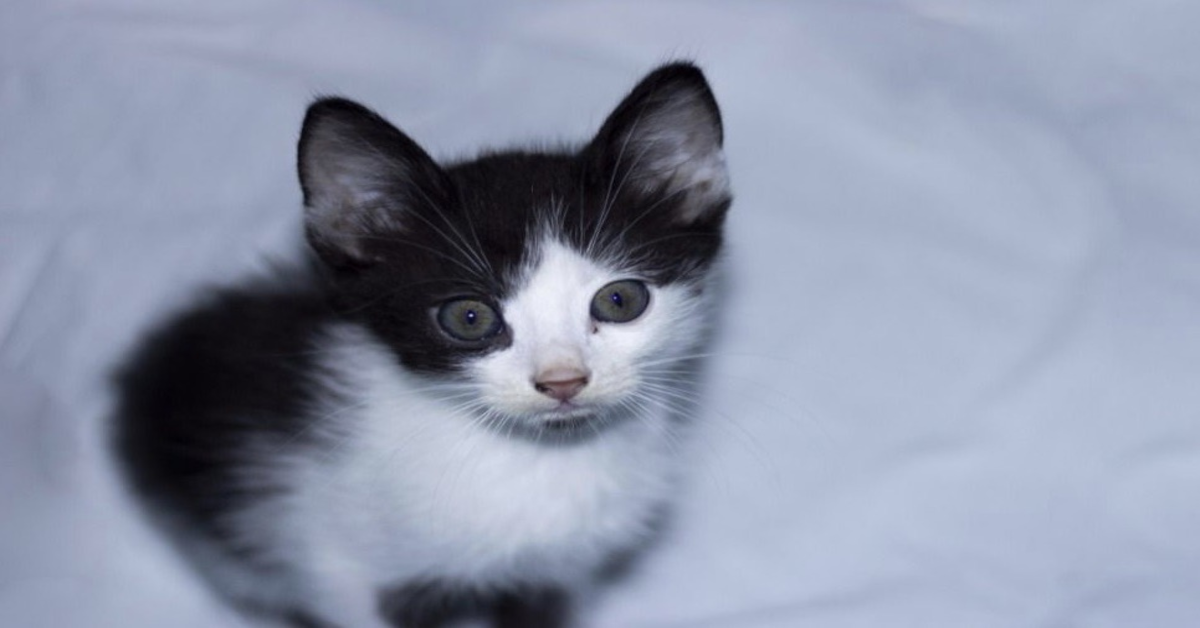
{"points": [[616, 299], [471, 317]]}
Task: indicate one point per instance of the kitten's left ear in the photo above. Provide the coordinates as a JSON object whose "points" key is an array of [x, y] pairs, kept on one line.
{"points": [[666, 138]]}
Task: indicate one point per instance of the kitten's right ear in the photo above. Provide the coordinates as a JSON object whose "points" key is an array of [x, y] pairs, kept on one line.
{"points": [[360, 176], [666, 137]]}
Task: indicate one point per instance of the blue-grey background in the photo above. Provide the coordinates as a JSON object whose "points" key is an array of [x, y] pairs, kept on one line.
{"points": [[959, 382]]}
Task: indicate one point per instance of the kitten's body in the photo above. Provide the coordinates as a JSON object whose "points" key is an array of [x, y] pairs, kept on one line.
{"points": [[324, 451]]}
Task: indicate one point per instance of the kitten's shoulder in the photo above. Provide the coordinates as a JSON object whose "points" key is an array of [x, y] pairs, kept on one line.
{"points": [[236, 367]]}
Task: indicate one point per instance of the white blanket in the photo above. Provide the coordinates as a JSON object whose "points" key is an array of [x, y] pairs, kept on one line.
{"points": [[959, 379]]}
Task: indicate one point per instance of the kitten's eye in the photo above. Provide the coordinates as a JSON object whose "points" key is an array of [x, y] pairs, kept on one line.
{"points": [[469, 320], [620, 301]]}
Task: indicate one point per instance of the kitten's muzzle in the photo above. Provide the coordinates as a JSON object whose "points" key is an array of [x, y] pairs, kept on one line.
{"points": [[562, 384]]}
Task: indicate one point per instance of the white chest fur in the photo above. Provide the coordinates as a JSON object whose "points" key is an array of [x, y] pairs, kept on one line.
{"points": [[418, 490]]}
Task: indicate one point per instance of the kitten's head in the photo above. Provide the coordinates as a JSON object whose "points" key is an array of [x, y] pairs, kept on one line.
{"points": [[558, 288]]}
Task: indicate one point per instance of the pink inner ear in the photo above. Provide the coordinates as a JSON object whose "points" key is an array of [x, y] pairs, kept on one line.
{"points": [[359, 175], [666, 137]]}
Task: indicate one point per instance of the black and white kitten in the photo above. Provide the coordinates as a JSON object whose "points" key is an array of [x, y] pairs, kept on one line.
{"points": [[469, 406]]}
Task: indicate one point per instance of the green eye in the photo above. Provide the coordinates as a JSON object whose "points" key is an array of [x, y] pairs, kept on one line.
{"points": [[469, 320], [620, 301]]}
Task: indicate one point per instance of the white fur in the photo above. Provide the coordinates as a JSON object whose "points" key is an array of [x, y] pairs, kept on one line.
{"points": [[423, 486], [552, 328]]}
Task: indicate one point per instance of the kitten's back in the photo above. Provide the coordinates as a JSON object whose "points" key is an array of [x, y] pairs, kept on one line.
{"points": [[232, 374]]}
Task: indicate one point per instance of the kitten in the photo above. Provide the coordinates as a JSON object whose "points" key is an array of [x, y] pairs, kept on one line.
{"points": [[469, 404]]}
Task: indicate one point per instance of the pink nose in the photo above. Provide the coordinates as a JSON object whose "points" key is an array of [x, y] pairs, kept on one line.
{"points": [[560, 383]]}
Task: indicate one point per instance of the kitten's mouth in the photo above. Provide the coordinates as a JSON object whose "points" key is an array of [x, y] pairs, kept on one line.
{"points": [[566, 416], [561, 425], [565, 424]]}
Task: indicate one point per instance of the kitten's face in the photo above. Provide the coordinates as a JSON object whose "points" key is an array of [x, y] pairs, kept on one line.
{"points": [[573, 356], [556, 289]]}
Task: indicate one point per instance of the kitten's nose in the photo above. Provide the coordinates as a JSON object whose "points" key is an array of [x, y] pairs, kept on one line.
{"points": [[561, 383]]}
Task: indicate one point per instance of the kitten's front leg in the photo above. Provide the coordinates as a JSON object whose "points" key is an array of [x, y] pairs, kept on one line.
{"points": [[435, 604], [533, 608], [429, 604]]}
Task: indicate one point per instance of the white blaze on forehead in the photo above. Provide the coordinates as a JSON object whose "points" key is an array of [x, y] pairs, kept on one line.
{"points": [[550, 314], [552, 329]]}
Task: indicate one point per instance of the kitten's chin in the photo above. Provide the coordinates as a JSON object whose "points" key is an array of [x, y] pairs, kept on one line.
{"points": [[564, 423], [567, 423], [568, 417]]}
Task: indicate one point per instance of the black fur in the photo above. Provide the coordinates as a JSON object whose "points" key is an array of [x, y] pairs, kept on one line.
{"points": [[214, 388], [236, 371], [431, 604]]}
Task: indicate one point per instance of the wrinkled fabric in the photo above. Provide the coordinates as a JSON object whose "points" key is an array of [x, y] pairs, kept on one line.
{"points": [[958, 377]]}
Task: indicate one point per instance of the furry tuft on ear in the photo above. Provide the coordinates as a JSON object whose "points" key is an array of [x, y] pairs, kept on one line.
{"points": [[666, 137], [360, 176]]}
